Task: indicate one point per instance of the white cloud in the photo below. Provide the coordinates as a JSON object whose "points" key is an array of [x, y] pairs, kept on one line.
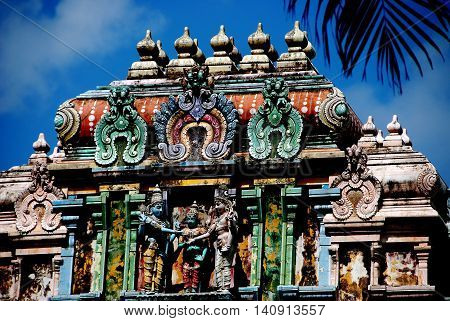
{"points": [[29, 55]]}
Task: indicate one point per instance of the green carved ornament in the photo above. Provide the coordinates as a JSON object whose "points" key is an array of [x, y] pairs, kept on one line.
{"points": [[275, 115], [122, 121]]}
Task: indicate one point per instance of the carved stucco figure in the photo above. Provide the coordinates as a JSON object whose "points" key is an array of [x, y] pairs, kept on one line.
{"points": [[223, 230], [155, 229]]}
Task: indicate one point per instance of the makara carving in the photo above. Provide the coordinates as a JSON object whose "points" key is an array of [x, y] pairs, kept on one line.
{"points": [[35, 203], [199, 125], [360, 190], [275, 115], [122, 121]]}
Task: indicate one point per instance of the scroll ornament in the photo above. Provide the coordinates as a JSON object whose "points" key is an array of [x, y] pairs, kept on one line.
{"points": [[122, 120], [333, 111], [199, 125], [67, 122], [360, 191], [275, 115], [35, 203]]}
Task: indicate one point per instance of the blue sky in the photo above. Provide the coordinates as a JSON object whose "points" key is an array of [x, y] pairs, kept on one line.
{"points": [[39, 72]]}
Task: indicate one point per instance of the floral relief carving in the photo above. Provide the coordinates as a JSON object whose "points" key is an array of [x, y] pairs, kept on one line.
{"points": [[35, 203], [360, 190]]}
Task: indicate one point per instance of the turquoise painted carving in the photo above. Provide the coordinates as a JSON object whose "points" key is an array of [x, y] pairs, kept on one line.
{"points": [[275, 115], [122, 121]]}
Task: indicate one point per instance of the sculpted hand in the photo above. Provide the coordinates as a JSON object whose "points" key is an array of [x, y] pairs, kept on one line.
{"points": [[142, 217]]}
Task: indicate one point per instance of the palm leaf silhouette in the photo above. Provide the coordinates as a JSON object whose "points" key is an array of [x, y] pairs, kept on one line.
{"points": [[393, 31]]}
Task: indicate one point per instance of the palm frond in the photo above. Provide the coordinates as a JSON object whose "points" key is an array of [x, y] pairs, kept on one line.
{"points": [[394, 32]]}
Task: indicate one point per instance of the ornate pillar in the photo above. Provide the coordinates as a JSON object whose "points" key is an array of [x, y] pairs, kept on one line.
{"points": [[67, 252], [288, 243], [334, 271], [376, 259], [423, 252], [132, 201], [100, 249], [256, 217], [17, 275], [324, 243], [56, 273]]}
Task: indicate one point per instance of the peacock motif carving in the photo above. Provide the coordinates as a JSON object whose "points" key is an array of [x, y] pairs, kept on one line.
{"points": [[199, 125], [122, 121], [275, 115]]}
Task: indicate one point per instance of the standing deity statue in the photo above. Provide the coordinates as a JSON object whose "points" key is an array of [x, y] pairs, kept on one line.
{"points": [[193, 252], [223, 230], [154, 226]]}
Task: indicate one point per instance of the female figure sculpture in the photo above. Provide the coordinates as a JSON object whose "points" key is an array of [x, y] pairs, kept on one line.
{"points": [[222, 230]]}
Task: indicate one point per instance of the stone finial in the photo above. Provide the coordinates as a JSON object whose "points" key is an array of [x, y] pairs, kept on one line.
{"points": [[147, 48], [184, 45], [58, 153], [221, 43], [259, 41], [296, 39], [369, 128], [405, 138], [296, 57], [369, 134], [41, 148], [199, 56], [309, 51], [148, 66], [394, 127], [258, 61], [162, 59], [272, 53], [235, 55], [186, 49], [394, 138], [221, 62], [380, 138]]}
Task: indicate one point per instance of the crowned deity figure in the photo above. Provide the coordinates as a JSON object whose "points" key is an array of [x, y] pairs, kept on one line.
{"points": [[222, 230], [193, 252], [157, 235]]}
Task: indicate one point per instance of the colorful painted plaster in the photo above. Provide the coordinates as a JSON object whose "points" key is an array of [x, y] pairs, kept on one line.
{"points": [[272, 250], [199, 125], [276, 115], [116, 251], [121, 131]]}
